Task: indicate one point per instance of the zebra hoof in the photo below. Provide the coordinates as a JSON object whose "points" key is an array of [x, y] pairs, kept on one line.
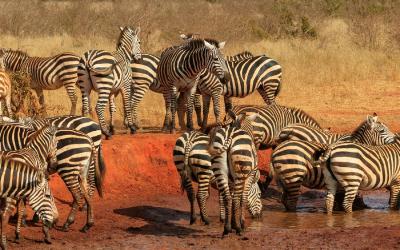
{"points": [[226, 231], [193, 220], [108, 136], [47, 241], [17, 238], [112, 130], [35, 218], [65, 228], [172, 131], [86, 228], [133, 130]]}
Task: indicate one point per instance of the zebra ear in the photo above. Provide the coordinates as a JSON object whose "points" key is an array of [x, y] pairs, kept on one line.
{"points": [[371, 120], [221, 45], [183, 37], [252, 117], [208, 45], [137, 31], [121, 28]]}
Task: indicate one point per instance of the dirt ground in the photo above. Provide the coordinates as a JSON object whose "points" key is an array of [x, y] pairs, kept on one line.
{"points": [[144, 208]]}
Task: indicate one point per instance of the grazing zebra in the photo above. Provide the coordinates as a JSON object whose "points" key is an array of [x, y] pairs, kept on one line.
{"points": [[76, 157], [46, 73], [354, 166], [193, 163], [24, 176], [292, 160], [5, 88], [179, 70], [232, 148], [109, 73], [271, 120]]}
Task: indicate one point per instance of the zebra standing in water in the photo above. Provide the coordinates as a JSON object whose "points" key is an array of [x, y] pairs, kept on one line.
{"points": [[232, 148], [292, 160], [46, 73], [193, 163], [356, 166], [5, 87], [179, 70], [109, 73], [24, 176]]}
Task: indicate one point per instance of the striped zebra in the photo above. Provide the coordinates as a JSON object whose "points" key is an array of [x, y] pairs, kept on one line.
{"points": [[355, 166], [234, 155], [78, 165], [46, 73], [109, 73], [179, 70], [292, 160], [193, 163], [5, 88], [271, 120], [24, 175]]}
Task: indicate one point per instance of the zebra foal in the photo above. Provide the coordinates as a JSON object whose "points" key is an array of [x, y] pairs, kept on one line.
{"points": [[24, 175]]}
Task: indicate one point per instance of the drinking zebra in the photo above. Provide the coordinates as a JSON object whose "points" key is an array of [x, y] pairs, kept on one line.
{"points": [[179, 70], [5, 88], [193, 163], [271, 120], [354, 166], [24, 176], [232, 148], [292, 160], [76, 155], [109, 73], [46, 73]]}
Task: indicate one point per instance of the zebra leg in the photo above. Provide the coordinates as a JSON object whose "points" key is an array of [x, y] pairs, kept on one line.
{"points": [[189, 96], [20, 213], [1, 107], [217, 112], [349, 196], [291, 193], [39, 93], [6, 208], [228, 104], [172, 101], [70, 87], [113, 109], [71, 217], [236, 204], [181, 111], [167, 117], [138, 92], [187, 185], [104, 95], [206, 110], [126, 97], [331, 186], [394, 196], [202, 195], [197, 108], [222, 216], [89, 214], [8, 106]]}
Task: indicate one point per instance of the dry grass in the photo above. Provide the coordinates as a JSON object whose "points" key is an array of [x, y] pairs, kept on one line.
{"points": [[341, 59]]}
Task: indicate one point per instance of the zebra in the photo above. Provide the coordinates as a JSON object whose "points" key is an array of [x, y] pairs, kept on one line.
{"points": [[179, 68], [292, 160], [193, 163], [109, 73], [77, 164], [46, 73], [5, 88], [234, 154], [354, 166], [24, 176], [271, 120]]}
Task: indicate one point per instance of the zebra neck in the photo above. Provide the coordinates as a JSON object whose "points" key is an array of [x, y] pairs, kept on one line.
{"points": [[196, 61], [15, 64], [122, 55]]}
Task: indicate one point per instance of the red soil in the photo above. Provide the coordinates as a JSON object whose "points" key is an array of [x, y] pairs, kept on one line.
{"points": [[143, 207]]}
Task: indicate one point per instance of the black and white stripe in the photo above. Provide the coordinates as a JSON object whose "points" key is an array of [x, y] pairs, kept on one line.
{"points": [[234, 155], [193, 163], [46, 73], [23, 175], [292, 160], [109, 73], [179, 70]]}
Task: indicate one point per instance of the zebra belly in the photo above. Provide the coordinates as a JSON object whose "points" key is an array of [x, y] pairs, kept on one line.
{"points": [[185, 84]]}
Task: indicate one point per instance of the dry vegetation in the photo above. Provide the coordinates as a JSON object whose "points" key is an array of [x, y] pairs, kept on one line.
{"points": [[341, 59]]}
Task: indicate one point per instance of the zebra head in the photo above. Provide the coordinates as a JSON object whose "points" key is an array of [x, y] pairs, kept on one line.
{"points": [[254, 204], [12, 59], [373, 132], [217, 64], [129, 43], [222, 134], [42, 201]]}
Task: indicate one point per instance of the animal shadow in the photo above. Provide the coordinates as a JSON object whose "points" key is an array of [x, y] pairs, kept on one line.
{"points": [[160, 221]]}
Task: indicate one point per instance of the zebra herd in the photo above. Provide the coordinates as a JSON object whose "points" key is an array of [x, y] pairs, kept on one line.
{"points": [[223, 154]]}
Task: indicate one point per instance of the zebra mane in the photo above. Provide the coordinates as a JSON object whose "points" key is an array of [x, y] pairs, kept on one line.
{"points": [[199, 43], [359, 127], [302, 113], [19, 53]]}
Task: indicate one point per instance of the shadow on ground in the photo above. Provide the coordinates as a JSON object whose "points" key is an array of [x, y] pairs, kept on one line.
{"points": [[161, 221]]}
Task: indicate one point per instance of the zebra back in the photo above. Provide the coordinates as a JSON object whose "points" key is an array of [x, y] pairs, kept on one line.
{"points": [[238, 57]]}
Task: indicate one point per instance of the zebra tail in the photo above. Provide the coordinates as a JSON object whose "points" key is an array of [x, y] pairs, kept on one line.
{"points": [[100, 170], [186, 173], [322, 156]]}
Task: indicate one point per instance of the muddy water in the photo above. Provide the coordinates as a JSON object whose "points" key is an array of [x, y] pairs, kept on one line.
{"points": [[310, 215]]}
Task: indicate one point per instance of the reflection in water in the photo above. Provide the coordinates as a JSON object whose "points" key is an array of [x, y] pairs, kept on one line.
{"points": [[310, 214]]}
